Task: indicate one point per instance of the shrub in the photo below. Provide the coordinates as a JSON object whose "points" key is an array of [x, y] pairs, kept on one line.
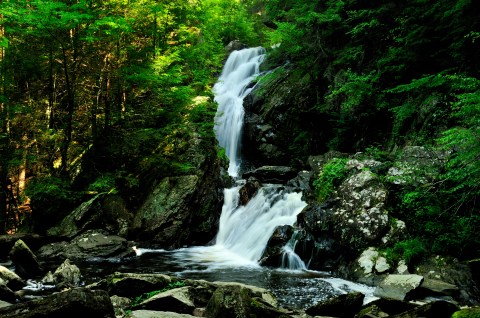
{"points": [[332, 174]]}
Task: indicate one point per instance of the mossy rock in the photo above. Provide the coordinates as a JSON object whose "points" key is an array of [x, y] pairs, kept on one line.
{"points": [[473, 312]]}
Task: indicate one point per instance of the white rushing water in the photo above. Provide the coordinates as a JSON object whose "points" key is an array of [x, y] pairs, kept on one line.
{"points": [[244, 231], [230, 90]]}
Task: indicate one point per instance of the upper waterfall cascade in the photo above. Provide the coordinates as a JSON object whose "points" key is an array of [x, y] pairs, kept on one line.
{"points": [[232, 87]]}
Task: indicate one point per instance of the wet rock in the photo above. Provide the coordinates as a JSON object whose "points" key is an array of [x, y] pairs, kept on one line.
{"points": [[451, 271], [4, 304], [12, 280], [438, 287], [68, 274], [26, 263], [93, 243], [387, 306], [272, 174], [398, 287], [249, 190], [156, 314], [6, 294], [104, 211], [70, 303], [34, 241], [301, 182], [175, 300], [274, 249], [232, 300], [435, 309], [131, 284], [235, 45], [120, 305], [345, 305]]}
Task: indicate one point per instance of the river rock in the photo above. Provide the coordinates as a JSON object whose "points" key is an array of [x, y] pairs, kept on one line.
{"points": [[6, 294], [389, 307], [235, 45], [68, 274], [26, 263], [120, 305], [34, 241], [274, 249], [345, 305], [272, 174], [236, 301], [176, 300], [249, 190], [156, 314], [398, 287], [4, 304], [12, 280], [452, 271], [435, 309], [103, 211], [71, 303], [93, 243], [131, 284]]}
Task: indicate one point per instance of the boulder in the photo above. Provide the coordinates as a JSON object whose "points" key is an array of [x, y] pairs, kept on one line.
{"points": [[416, 165], [120, 305], [359, 214], [452, 271], [103, 211], [4, 304], [235, 45], [176, 300], [274, 249], [71, 303], [26, 263], [435, 309], [12, 280], [249, 190], [232, 300], [272, 174], [345, 305], [34, 241], [156, 314], [6, 294], [91, 244], [389, 307], [67, 274], [131, 284], [398, 287]]}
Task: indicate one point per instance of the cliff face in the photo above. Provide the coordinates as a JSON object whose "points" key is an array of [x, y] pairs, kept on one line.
{"points": [[281, 125]]}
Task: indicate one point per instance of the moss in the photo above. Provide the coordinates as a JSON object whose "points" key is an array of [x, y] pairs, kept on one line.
{"points": [[467, 313]]}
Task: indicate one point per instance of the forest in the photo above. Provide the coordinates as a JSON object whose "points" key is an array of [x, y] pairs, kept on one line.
{"points": [[95, 94]]}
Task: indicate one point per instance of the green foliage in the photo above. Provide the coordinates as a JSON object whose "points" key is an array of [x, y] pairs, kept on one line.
{"points": [[467, 313], [104, 183], [138, 300], [49, 188], [409, 250], [332, 174]]}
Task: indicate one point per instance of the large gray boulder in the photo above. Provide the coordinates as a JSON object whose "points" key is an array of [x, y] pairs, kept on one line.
{"points": [[177, 300], [103, 211], [71, 303], [93, 243], [66, 274], [345, 305], [398, 287], [132, 284], [184, 209], [359, 214], [12, 280]]}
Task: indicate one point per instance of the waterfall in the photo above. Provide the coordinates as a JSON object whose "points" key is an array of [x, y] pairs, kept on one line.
{"points": [[244, 231], [230, 90]]}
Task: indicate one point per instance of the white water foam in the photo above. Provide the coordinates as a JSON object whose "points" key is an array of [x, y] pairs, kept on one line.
{"points": [[230, 90]]}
